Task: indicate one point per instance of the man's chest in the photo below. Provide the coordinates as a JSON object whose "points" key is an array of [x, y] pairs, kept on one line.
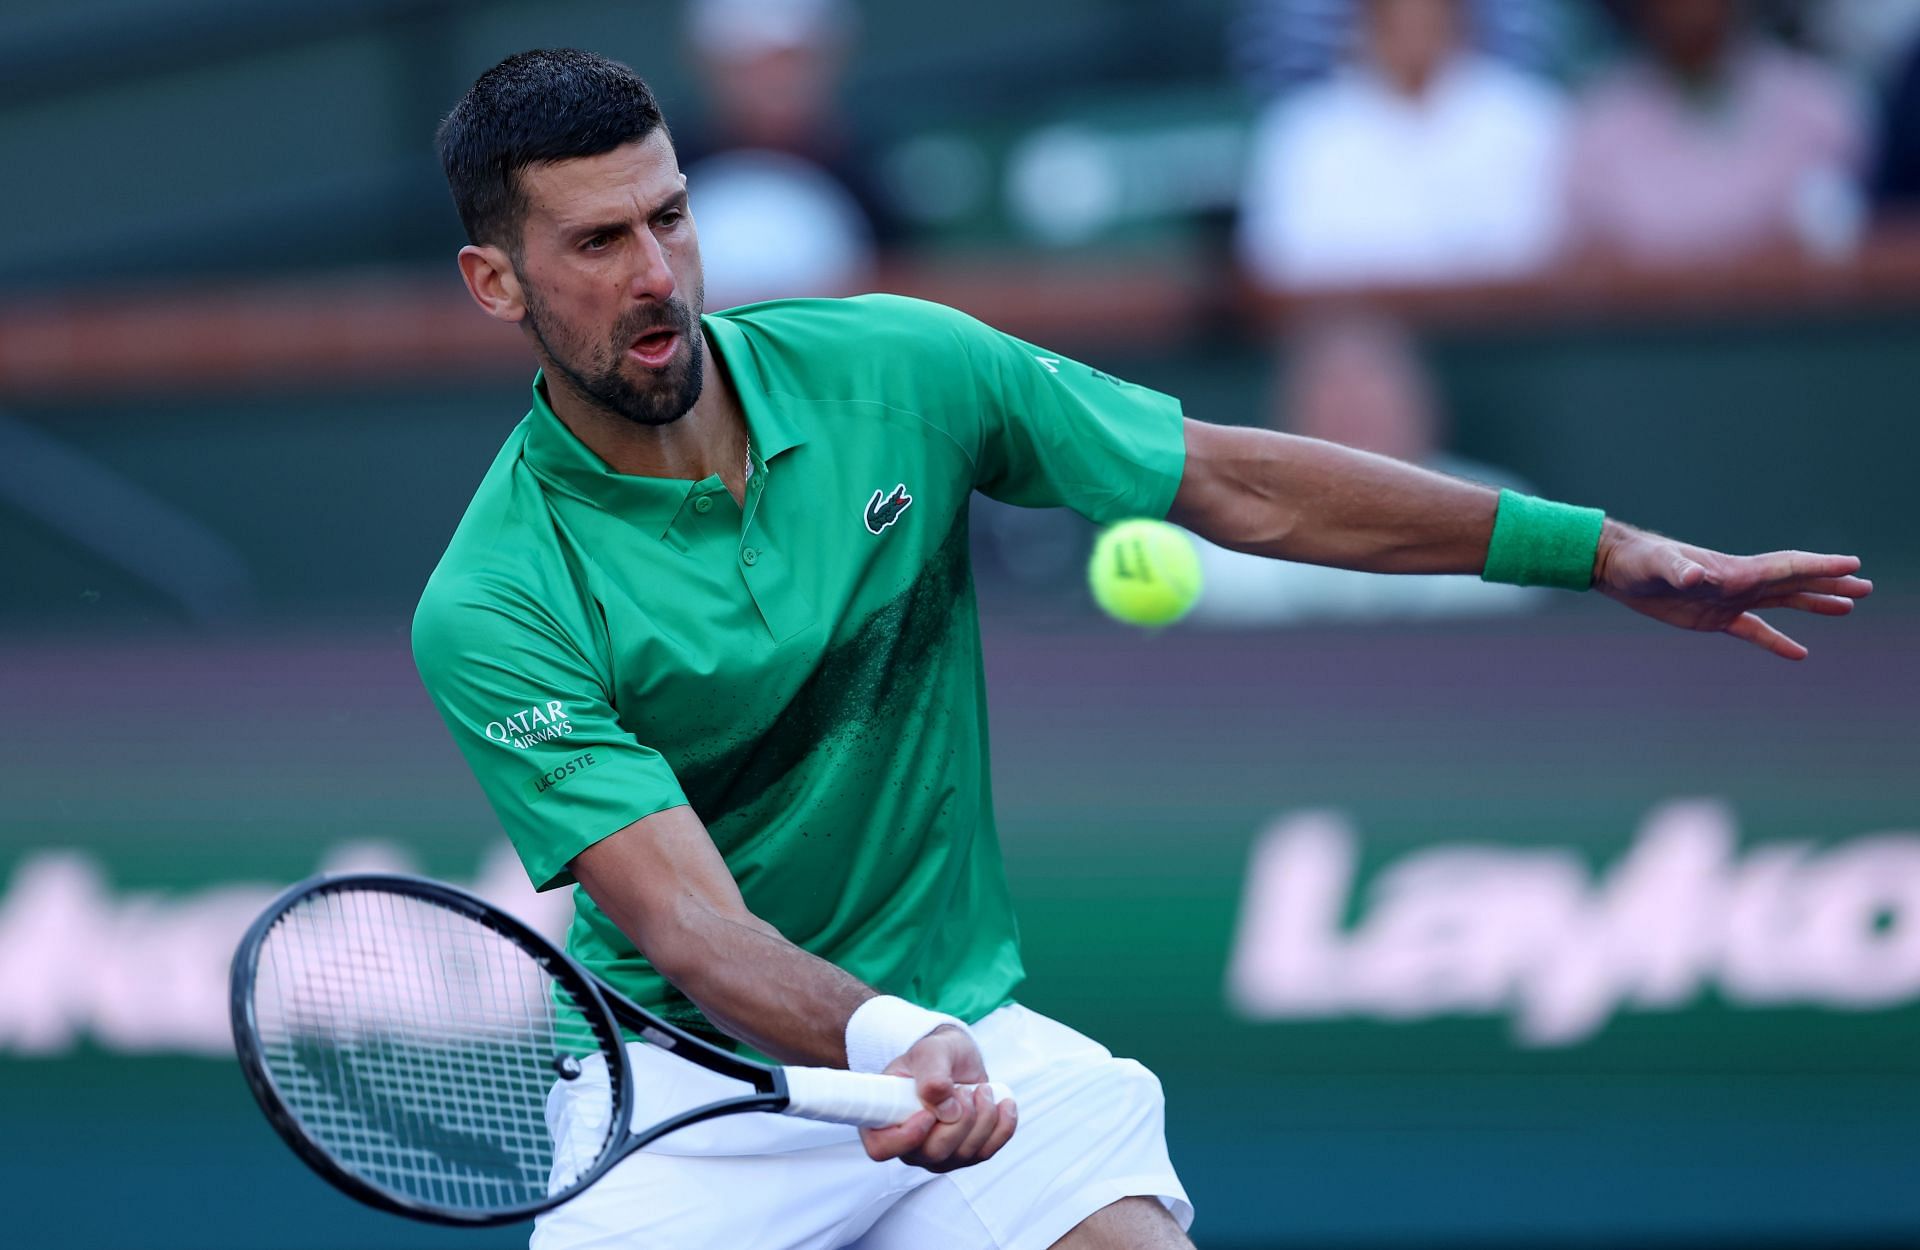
{"points": [[737, 612]]}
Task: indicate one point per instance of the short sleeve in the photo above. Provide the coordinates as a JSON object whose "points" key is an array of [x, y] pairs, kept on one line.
{"points": [[533, 719], [1057, 433]]}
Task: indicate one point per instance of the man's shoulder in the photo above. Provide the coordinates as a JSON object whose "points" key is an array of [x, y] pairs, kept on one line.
{"points": [[822, 313], [471, 613], [879, 353], [465, 602], [808, 332]]}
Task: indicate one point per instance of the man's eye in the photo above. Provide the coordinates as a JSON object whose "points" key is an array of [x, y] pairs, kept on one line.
{"points": [[596, 243], [669, 219]]}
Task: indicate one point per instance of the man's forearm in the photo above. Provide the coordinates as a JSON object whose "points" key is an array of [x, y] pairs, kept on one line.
{"points": [[755, 985], [664, 885], [1301, 499]]}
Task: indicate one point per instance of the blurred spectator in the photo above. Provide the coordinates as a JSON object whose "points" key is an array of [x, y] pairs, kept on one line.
{"points": [[779, 189], [1278, 45], [1357, 381], [1424, 162], [1712, 142], [1896, 175]]}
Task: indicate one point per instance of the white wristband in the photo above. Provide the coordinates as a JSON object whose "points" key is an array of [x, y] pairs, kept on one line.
{"points": [[884, 1028]]}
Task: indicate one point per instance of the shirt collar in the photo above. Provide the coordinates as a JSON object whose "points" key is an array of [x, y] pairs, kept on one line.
{"points": [[565, 464], [768, 423]]}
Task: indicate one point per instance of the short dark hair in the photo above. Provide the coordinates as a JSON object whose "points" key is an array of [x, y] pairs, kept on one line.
{"points": [[534, 108]]}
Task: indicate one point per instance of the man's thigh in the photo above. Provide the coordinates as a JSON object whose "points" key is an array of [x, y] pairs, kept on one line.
{"points": [[814, 1199], [1091, 1133], [936, 1215], [770, 1182], [1129, 1224]]}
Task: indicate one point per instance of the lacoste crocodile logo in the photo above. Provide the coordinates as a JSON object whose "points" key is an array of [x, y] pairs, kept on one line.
{"points": [[882, 512]]}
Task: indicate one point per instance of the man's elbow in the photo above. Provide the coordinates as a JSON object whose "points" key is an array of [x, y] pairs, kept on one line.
{"points": [[688, 941], [673, 939], [1227, 491]]}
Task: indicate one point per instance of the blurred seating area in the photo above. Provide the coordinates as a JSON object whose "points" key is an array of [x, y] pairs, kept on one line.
{"points": [[228, 201], [1331, 143]]}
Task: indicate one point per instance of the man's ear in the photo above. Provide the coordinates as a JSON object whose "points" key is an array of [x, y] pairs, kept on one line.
{"points": [[492, 282]]}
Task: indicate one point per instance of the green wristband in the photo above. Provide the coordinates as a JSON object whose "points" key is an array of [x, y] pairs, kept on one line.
{"points": [[1540, 543]]}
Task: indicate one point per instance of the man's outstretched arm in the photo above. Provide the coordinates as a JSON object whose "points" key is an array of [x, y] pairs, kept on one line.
{"points": [[662, 881], [1301, 499]]}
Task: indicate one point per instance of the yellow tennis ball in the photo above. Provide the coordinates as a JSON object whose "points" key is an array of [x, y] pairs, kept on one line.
{"points": [[1144, 572]]}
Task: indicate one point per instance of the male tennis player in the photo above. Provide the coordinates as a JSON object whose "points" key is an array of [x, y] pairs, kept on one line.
{"points": [[707, 637]]}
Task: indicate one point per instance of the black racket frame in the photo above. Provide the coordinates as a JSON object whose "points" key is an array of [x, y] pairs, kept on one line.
{"points": [[606, 1009]]}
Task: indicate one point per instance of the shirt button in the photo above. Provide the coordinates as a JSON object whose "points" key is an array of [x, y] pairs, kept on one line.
{"points": [[750, 555], [703, 504]]}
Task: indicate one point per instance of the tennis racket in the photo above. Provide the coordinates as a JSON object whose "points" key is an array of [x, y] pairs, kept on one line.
{"points": [[403, 1037]]}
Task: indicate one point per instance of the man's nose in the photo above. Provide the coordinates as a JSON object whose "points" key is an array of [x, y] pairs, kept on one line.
{"points": [[653, 278]]}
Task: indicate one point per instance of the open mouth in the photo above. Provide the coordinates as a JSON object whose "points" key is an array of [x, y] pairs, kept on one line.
{"points": [[655, 348]]}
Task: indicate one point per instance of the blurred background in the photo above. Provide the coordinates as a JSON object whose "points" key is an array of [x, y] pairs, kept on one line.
{"points": [[1450, 915]]}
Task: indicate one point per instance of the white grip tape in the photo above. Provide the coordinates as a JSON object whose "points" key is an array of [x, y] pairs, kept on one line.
{"points": [[861, 1098]]}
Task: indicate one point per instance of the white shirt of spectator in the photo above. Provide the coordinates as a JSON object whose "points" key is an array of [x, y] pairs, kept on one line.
{"points": [[1352, 183], [774, 226]]}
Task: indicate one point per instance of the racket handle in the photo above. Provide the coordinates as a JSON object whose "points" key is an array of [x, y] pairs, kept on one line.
{"points": [[862, 1098]]}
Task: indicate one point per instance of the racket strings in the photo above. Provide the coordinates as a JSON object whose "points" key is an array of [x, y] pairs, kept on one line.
{"points": [[417, 1047]]}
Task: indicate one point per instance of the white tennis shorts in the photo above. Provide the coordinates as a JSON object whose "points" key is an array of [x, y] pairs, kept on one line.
{"points": [[1091, 1132]]}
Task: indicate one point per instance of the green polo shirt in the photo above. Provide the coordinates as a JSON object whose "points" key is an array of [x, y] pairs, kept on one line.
{"points": [[803, 669]]}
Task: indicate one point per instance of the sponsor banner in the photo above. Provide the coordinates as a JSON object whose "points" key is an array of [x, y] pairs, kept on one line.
{"points": [[1558, 947], [145, 972], [1537, 935]]}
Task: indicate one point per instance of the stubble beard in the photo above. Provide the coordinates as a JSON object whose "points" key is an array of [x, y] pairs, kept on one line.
{"points": [[599, 374]]}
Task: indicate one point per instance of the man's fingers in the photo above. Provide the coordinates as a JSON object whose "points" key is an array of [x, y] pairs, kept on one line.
{"points": [[985, 1121], [1781, 565], [1829, 566], [1750, 628], [892, 1142], [933, 1079], [1851, 587], [944, 1143], [979, 1135], [1006, 1118], [1824, 605]]}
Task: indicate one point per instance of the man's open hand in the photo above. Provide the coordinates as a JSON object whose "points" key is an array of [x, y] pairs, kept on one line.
{"points": [[960, 1129], [1694, 588]]}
